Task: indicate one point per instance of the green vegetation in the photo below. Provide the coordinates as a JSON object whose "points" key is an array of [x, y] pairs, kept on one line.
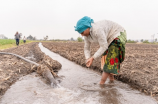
{"points": [[8, 43], [79, 39], [145, 41], [131, 41]]}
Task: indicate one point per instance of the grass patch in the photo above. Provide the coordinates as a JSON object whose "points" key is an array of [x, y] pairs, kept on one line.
{"points": [[9, 43]]}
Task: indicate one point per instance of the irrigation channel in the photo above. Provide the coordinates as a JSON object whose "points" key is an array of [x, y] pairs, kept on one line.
{"points": [[78, 86]]}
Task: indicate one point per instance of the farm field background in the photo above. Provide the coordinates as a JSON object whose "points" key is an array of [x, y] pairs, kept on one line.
{"points": [[139, 69], [8, 43]]}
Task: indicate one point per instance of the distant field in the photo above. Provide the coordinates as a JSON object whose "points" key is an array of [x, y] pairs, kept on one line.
{"points": [[8, 43]]}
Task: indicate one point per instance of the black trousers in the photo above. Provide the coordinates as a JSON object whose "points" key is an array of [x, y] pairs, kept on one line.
{"points": [[17, 41]]}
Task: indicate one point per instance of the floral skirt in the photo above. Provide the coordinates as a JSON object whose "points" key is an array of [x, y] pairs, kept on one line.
{"points": [[113, 57]]}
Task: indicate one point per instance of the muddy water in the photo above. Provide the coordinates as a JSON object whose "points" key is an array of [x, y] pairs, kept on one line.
{"points": [[78, 86]]}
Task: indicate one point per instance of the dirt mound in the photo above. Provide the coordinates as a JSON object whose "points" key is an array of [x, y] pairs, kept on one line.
{"points": [[139, 69], [12, 68]]}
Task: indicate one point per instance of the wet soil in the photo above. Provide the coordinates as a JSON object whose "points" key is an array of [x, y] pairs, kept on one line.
{"points": [[13, 68], [140, 69]]}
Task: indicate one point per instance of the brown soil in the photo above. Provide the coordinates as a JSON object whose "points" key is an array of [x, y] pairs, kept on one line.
{"points": [[12, 68], [139, 69]]}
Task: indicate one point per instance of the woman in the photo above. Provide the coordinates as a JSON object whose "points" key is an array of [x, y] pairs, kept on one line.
{"points": [[24, 39], [17, 38], [112, 39]]}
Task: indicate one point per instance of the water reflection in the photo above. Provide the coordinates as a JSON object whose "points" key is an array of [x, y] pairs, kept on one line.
{"points": [[110, 96]]}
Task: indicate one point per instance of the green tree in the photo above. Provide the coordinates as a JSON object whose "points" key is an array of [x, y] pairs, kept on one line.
{"points": [[30, 37], [3, 37], [45, 38], [79, 39], [145, 41], [156, 40], [72, 39], [141, 40], [131, 41]]}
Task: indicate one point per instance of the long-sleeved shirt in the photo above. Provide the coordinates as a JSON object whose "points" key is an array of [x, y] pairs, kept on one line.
{"points": [[17, 36], [24, 38], [103, 33]]}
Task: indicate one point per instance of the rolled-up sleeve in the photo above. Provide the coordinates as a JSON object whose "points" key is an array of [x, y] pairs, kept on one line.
{"points": [[102, 40], [87, 48]]}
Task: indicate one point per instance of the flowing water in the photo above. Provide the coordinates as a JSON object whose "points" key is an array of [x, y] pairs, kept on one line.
{"points": [[78, 86]]}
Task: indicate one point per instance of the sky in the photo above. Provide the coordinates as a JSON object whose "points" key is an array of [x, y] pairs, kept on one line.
{"points": [[57, 18]]}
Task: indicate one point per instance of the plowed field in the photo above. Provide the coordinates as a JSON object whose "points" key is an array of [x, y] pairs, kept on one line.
{"points": [[140, 68]]}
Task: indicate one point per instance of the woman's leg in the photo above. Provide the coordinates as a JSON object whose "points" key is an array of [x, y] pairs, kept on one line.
{"points": [[103, 61], [111, 77], [104, 74], [104, 77], [18, 41]]}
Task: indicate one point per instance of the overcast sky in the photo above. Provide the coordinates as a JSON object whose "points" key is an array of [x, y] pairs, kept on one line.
{"points": [[57, 18]]}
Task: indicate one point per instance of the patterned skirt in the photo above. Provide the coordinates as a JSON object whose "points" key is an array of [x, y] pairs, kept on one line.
{"points": [[113, 57]]}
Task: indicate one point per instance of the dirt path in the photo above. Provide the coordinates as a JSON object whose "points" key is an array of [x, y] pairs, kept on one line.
{"points": [[139, 69], [12, 68]]}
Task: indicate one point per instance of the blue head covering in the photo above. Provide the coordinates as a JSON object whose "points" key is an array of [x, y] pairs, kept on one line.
{"points": [[83, 24]]}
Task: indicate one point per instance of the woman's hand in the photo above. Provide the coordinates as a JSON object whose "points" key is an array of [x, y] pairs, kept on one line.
{"points": [[89, 62]]}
